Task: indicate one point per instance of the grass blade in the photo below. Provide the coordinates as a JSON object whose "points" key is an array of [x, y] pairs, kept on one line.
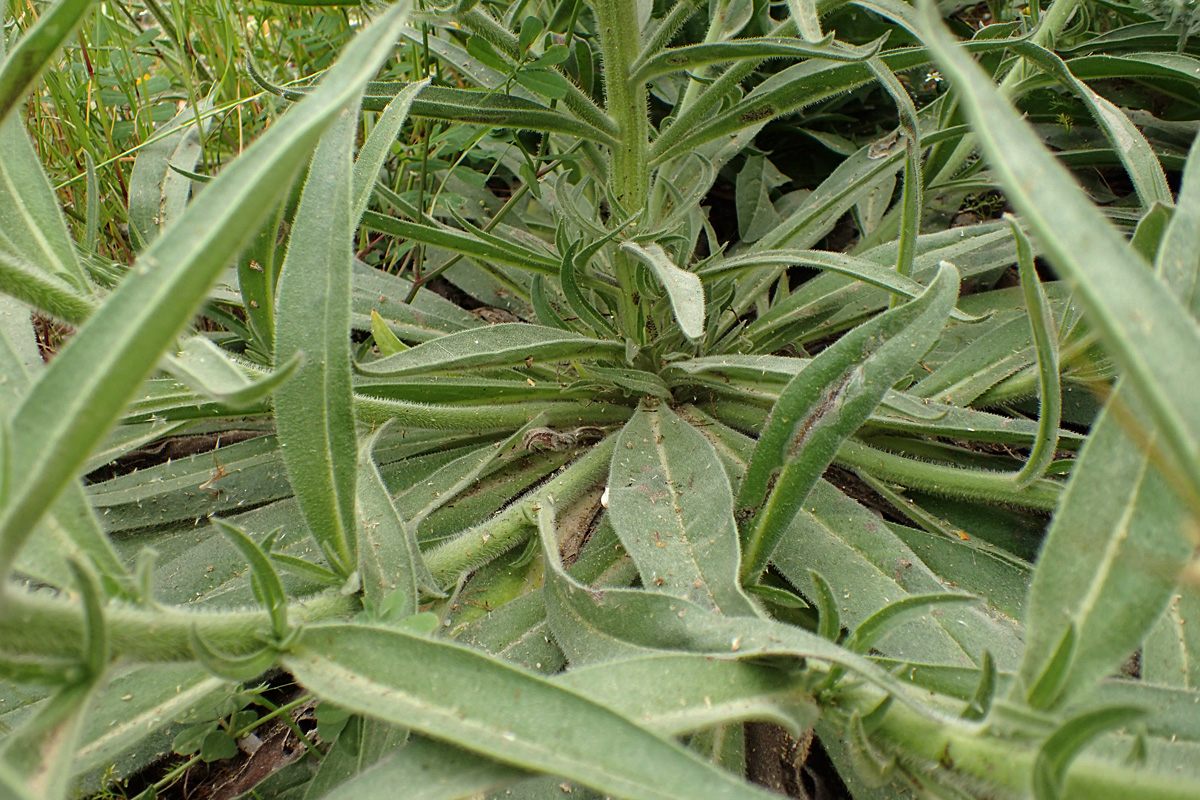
{"points": [[31, 55]]}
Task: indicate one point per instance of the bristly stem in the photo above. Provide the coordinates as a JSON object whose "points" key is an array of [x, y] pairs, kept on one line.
{"points": [[627, 103]]}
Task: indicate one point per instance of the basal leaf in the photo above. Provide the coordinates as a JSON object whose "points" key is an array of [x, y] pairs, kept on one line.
{"points": [[671, 504], [504, 345], [463, 696], [823, 405], [314, 413]]}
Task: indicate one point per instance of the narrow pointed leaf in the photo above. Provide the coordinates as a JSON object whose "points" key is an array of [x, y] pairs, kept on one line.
{"points": [[388, 556], [214, 373], [823, 406], [1133, 312], [314, 412], [379, 146], [505, 345]]}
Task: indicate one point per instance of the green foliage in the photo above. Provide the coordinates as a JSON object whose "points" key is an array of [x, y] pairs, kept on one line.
{"points": [[729, 434]]}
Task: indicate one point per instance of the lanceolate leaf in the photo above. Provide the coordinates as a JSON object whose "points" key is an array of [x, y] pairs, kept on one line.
{"points": [[504, 345], [671, 504], [84, 389], [314, 412], [31, 223], [466, 697], [683, 287], [388, 554], [826, 403], [379, 145]]}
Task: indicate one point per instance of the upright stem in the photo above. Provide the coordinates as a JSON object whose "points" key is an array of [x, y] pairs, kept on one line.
{"points": [[627, 103]]}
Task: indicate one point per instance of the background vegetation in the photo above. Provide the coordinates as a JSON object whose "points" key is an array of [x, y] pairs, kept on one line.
{"points": [[620, 398]]}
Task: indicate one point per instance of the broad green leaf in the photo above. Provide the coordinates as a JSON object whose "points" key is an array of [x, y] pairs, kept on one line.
{"points": [[824, 405], [1133, 312], [379, 145], [34, 52], [671, 504], [90, 381], [677, 694], [1171, 652], [1108, 567], [463, 696], [31, 222], [158, 194], [428, 770], [607, 625], [683, 287], [137, 705], [1119, 541], [314, 412], [756, 213], [504, 345]]}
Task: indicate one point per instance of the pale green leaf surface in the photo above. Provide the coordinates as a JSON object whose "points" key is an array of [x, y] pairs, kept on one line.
{"points": [[507, 344], [756, 214], [30, 218], [217, 375], [823, 405], [388, 554], [314, 412], [1115, 549], [429, 770], [158, 194], [683, 287], [461, 695], [672, 507]]}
